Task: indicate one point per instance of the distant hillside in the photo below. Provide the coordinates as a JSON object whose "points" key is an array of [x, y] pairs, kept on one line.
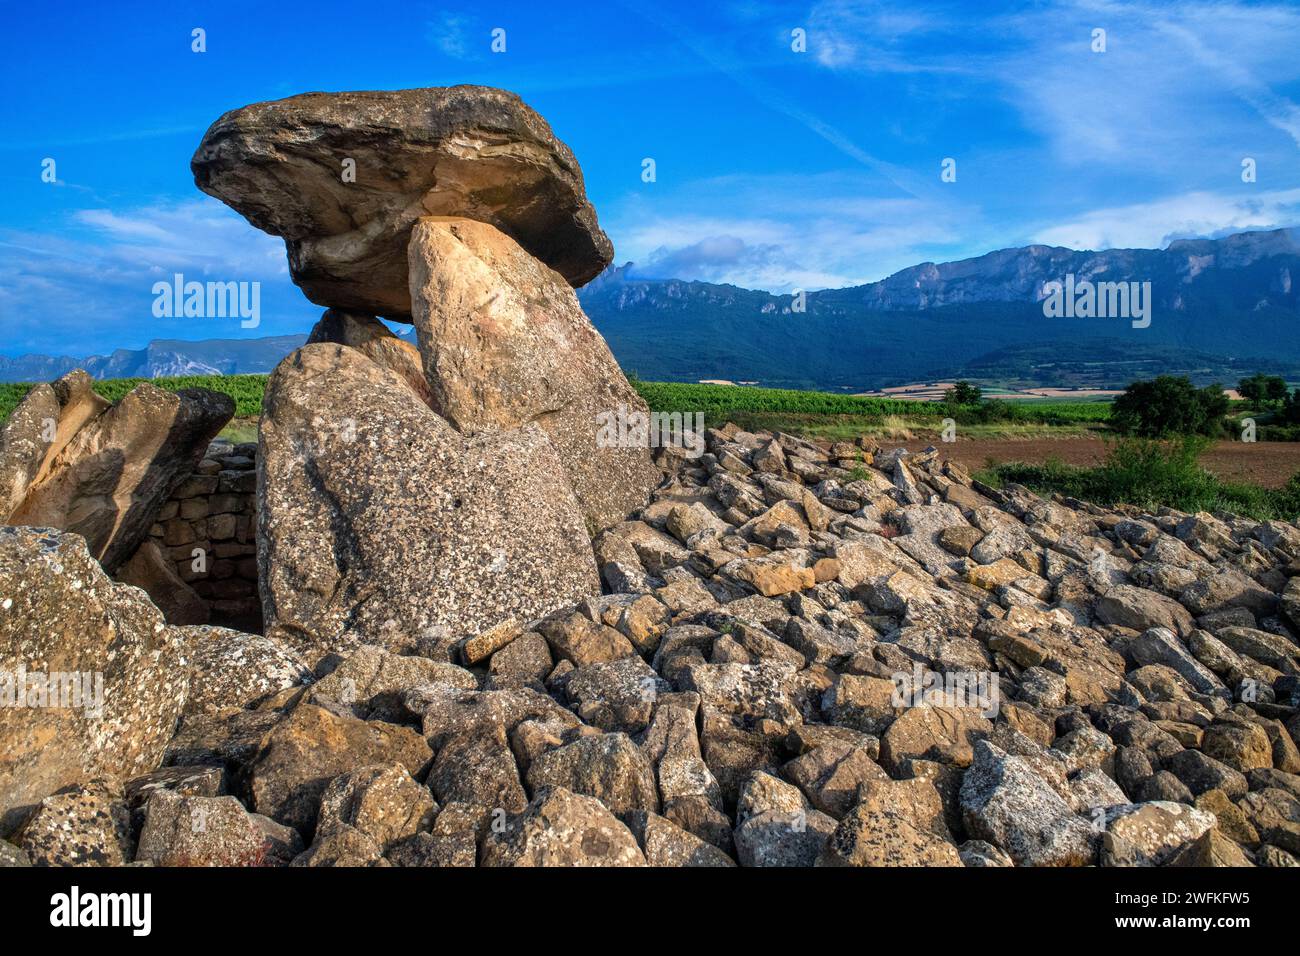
{"points": [[161, 358], [1221, 308]]}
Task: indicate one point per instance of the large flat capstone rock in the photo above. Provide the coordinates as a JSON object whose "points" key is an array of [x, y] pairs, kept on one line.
{"points": [[506, 343], [470, 151], [381, 524]]}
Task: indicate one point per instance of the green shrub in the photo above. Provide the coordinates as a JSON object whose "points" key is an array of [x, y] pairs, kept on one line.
{"points": [[11, 393], [963, 393], [1168, 406], [1267, 389], [1152, 474], [1278, 433]]}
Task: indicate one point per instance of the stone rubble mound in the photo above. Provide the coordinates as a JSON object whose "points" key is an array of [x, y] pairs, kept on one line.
{"points": [[733, 697]]}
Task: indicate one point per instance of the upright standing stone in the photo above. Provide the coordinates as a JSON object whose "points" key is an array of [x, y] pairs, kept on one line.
{"points": [[506, 343], [380, 524]]}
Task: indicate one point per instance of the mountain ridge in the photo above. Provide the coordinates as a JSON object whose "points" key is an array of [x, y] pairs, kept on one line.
{"points": [[1220, 307]]}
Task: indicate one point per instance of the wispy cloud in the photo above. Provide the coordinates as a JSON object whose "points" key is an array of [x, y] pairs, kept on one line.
{"points": [[787, 232], [1155, 224], [89, 285], [775, 99], [200, 234], [450, 33], [1157, 91]]}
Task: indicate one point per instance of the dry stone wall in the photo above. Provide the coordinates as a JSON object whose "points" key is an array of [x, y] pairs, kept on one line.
{"points": [[208, 530]]}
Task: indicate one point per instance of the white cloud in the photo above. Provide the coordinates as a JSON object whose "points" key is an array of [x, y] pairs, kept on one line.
{"points": [[450, 34], [201, 235], [88, 287], [1170, 83], [1154, 224], [806, 232]]}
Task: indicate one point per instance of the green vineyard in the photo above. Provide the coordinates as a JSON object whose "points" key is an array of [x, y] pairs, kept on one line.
{"points": [[716, 403]]}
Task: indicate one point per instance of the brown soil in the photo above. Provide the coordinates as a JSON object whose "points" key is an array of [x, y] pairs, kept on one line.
{"points": [[1264, 463]]}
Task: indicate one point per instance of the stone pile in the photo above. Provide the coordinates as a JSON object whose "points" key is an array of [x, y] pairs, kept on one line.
{"points": [[733, 698]]}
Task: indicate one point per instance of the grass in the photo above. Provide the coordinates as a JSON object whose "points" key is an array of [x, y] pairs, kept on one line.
{"points": [[1151, 474], [817, 414], [1142, 473], [246, 390], [240, 430]]}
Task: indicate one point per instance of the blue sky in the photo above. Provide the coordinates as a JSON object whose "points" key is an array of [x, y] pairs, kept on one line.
{"points": [[775, 169]]}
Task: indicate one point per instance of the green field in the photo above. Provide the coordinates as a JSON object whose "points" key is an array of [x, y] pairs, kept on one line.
{"points": [[816, 414], [246, 390], [823, 413], [828, 415]]}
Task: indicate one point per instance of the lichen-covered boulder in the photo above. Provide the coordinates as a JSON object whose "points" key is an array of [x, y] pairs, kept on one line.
{"points": [[93, 681], [303, 753], [184, 830], [560, 828], [234, 669], [506, 343], [380, 524]]}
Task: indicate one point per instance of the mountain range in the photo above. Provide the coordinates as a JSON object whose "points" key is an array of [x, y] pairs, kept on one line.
{"points": [[1220, 309]]}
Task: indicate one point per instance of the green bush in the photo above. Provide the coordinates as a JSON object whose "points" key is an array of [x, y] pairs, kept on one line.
{"points": [[1167, 406], [1152, 474], [996, 410], [1267, 389], [963, 393], [11, 393], [1278, 433]]}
